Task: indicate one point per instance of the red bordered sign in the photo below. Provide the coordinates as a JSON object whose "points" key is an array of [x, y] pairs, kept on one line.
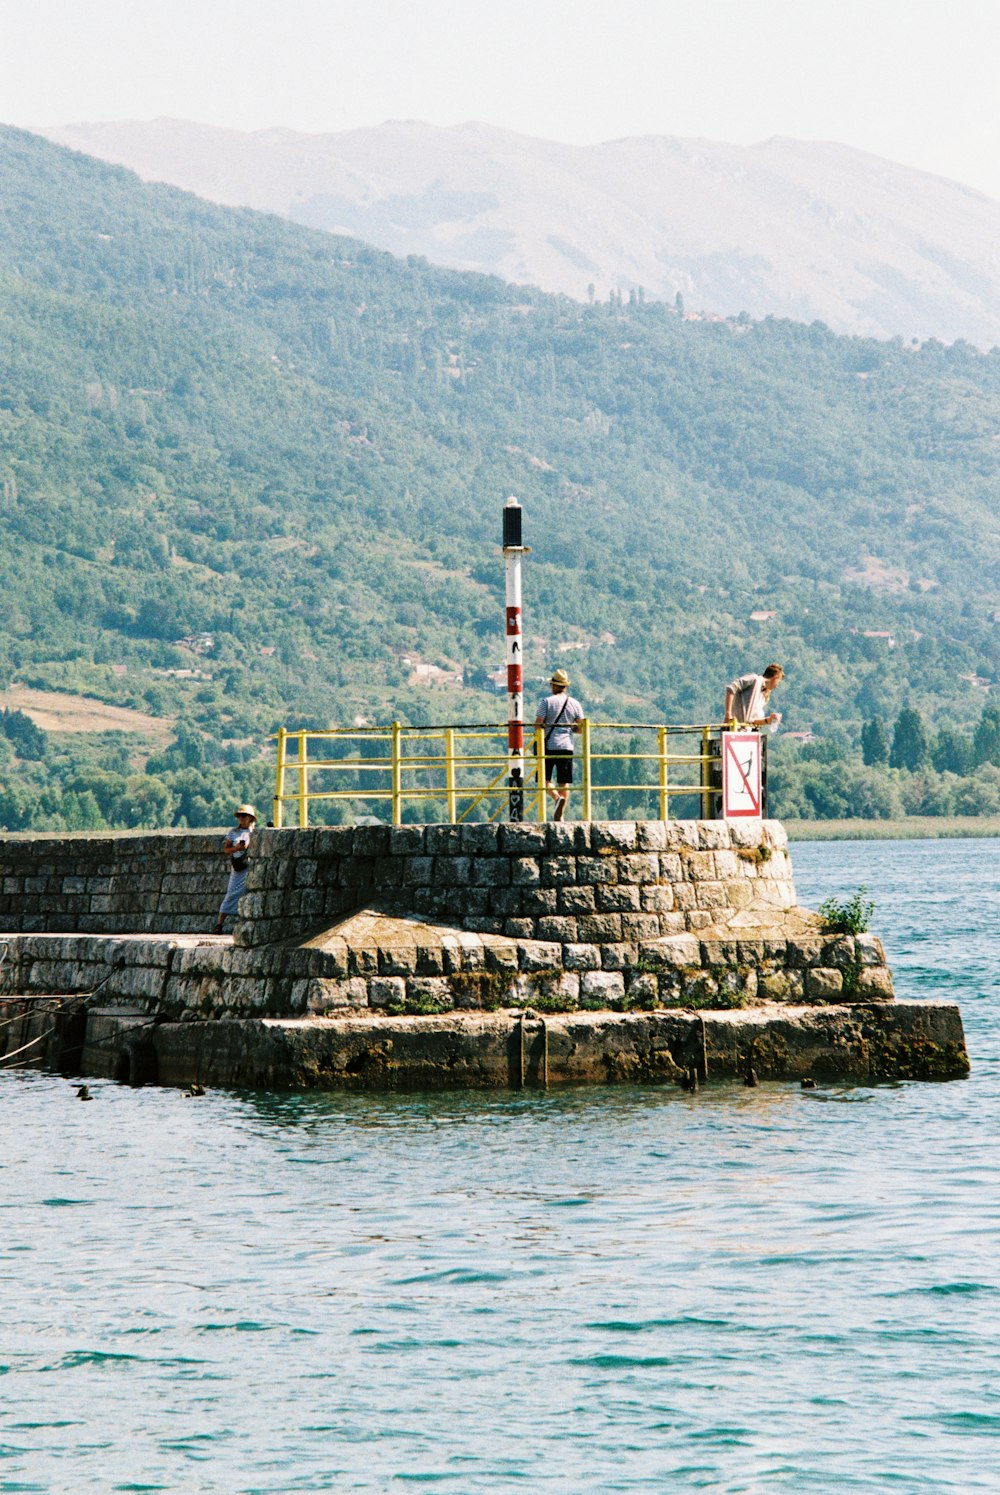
{"points": [[741, 788]]}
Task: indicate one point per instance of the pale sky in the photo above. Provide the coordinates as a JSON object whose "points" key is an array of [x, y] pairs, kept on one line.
{"points": [[913, 80]]}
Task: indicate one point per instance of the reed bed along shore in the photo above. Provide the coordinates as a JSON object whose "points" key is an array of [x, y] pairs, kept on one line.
{"points": [[908, 828]]}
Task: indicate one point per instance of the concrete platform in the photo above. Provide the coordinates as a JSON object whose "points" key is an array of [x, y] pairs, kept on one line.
{"points": [[884, 1041]]}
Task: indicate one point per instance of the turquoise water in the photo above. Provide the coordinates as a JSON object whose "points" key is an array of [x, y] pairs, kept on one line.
{"points": [[614, 1290]]}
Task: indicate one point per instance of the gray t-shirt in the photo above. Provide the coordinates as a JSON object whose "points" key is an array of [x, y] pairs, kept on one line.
{"points": [[749, 703], [564, 709]]}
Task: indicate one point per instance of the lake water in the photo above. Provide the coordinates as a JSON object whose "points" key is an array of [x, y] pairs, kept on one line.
{"points": [[600, 1290]]}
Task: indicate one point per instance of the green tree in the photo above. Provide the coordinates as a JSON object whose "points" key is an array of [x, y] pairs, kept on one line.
{"points": [[952, 752], [81, 812], [850, 793], [29, 741], [981, 795], [18, 807], [986, 738], [910, 748], [874, 743]]}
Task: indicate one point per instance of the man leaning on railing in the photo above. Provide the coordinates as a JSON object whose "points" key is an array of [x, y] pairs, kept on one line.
{"points": [[748, 698]]}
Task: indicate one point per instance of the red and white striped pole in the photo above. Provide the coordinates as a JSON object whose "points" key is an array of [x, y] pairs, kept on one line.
{"points": [[512, 553]]}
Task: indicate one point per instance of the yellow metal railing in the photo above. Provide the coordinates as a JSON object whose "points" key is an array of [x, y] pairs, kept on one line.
{"points": [[393, 769]]}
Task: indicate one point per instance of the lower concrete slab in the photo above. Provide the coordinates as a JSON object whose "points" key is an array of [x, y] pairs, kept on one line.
{"points": [[883, 1041]]}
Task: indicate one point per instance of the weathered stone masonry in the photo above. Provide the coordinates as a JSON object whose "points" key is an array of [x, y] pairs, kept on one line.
{"points": [[580, 883], [368, 926], [162, 884]]}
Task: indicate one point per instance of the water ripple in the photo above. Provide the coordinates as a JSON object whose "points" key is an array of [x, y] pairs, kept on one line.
{"points": [[618, 1290]]}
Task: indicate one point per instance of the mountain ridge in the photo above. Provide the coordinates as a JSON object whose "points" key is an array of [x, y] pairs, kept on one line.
{"points": [[811, 230]]}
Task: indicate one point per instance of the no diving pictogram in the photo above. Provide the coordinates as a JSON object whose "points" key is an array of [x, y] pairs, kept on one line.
{"points": [[741, 778]]}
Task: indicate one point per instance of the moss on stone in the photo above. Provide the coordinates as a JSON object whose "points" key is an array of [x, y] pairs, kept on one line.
{"points": [[485, 989], [851, 973], [758, 855], [552, 1002], [642, 1066], [771, 1055], [549, 995], [730, 992], [427, 1005], [914, 1056]]}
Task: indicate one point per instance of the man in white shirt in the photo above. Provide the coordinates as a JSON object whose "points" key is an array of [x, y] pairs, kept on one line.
{"points": [[747, 699], [560, 714]]}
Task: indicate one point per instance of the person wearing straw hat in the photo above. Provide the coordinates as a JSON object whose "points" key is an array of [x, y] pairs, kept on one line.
{"points": [[235, 847], [560, 714]]}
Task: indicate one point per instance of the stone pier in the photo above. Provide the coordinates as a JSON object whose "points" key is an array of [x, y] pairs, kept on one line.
{"points": [[447, 955]]}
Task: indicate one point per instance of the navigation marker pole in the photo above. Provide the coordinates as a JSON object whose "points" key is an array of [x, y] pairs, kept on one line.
{"points": [[512, 553]]}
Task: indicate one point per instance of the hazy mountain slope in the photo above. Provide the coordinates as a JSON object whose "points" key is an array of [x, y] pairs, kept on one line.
{"points": [[217, 422], [792, 228]]}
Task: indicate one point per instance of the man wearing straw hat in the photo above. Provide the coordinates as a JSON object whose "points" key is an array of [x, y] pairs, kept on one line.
{"points": [[235, 848], [560, 714]]}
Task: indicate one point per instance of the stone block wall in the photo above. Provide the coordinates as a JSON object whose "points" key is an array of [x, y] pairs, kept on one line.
{"points": [[674, 971], [145, 884], [590, 915], [351, 942], [584, 884], [185, 980]]}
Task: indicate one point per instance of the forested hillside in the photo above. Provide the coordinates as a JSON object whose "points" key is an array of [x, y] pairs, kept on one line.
{"points": [[215, 423]]}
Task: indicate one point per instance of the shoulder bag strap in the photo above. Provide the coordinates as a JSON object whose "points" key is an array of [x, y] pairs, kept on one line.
{"points": [[555, 724]]}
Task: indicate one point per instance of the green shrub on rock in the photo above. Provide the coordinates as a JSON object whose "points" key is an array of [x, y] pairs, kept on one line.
{"points": [[851, 917]]}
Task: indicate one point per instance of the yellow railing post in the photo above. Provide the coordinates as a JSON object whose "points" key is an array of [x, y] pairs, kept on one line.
{"points": [[279, 778], [540, 773], [449, 773], [397, 777], [303, 782], [661, 737], [585, 771], [435, 775]]}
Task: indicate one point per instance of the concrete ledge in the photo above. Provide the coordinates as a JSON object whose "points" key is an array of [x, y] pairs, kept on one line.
{"points": [[902, 1040]]}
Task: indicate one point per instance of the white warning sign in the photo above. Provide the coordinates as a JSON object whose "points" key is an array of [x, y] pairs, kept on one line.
{"points": [[741, 789]]}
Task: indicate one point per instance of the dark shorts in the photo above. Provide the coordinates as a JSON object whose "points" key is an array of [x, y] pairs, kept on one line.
{"points": [[562, 765]]}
